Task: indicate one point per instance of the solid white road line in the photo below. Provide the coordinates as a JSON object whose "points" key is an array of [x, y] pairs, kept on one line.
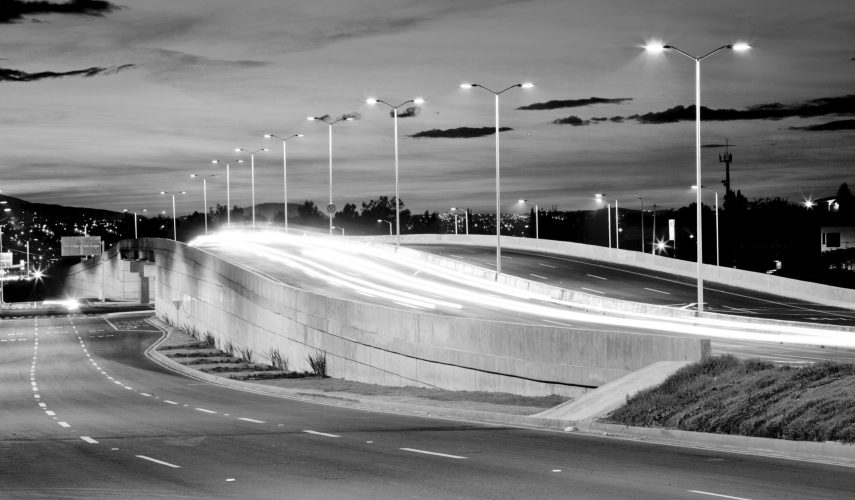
{"points": [[657, 291], [254, 421], [205, 411], [598, 277], [316, 433], [161, 462], [88, 439], [717, 495], [545, 265], [434, 453], [592, 290], [539, 276]]}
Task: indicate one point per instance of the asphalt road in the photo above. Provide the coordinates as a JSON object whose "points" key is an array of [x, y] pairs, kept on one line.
{"points": [[361, 273], [643, 285], [86, 415]]}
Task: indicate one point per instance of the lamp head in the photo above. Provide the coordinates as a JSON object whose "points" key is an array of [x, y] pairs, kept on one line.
{"points": [[655, 47], [527, 85], [348, 119], [238, 150], [193, 175], [371, 100], [379, 220], [310, 118], [694, 186], [466, 85], [163, 192], [215, 161], [740, 47], [268, 136], [265, 149], [599, 196], [418, 100], [301, 135]]}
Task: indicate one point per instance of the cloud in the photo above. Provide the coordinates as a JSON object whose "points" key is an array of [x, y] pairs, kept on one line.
{"points": [[458, 133], [824, 106], [835, 125], [14, 75], [572, 120], [718, 145], [407, 113], [14, 10], [327, 118], [574, 103]]}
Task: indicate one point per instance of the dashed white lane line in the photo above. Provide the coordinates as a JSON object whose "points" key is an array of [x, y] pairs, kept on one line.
{"points": [[657, 291], [538, 276], [717, 495], [64, 424], [161, 462], [598, 277], [88, 439], [254, 421], [170, 402], [316, 433], [545, 265], [203, 410], [50, 413], [145, 394], [592, 290], [424, 452]]}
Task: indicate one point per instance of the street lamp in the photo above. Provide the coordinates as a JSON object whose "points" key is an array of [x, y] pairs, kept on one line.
{"points": [[252, 175], [601, 198], [387, 222], [228, 194], [341, 228], [642, 223], [498, 184], [174, 223], [716, 220], [135, 219], [325, 119], [465, 219], [204, 196], [655, 48], [373, 101], [284, 170], [536, 219]]}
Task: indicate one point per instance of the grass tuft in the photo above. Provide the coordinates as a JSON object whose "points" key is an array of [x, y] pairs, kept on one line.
{"points": [[318, 363], [277, 360]]}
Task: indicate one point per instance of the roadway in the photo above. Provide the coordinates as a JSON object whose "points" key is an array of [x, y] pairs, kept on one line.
{"points": [[362, 273], [87, 415], [635, 284]]}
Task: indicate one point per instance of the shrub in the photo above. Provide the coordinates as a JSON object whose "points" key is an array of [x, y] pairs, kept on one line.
{"points": [[318, 363], [277, 360], [245, 354]]}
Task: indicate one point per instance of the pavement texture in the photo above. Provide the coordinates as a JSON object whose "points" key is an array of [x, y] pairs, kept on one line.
{"points": [[476, 409]]}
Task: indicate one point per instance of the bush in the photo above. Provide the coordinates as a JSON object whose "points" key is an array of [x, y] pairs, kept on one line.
{"points": [[318, 363]]}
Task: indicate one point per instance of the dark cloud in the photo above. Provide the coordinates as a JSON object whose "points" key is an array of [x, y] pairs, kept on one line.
{"points": [[14, 10], [458, 133], [718, 145], [599, 119], [13, 75], [825, 106], [572, 120], [407, 113], [327, 118], [574, 103], [835, 125], [616, 119]]}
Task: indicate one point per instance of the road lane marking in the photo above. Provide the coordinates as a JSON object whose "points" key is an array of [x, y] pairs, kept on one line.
{"points": [[88, 439], [456, 256], [161, 462], [50, 413], [539, 276], [254, 421], [170, 402], [717, 495], [64, 424], [545, 265], [434, 453], [592, 290], [206, 411], [316, 433], [598, 277], [145, 394], [657, 291]]}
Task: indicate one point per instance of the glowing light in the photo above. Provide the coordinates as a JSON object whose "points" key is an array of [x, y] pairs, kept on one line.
{"points": [[466, 85], [418, 100], [740, 46], [371, 100], [655, 47], [527, 85], [70, 304]]}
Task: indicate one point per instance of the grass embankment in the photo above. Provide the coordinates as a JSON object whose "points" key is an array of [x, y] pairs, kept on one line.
{"points": [[726, 395]]}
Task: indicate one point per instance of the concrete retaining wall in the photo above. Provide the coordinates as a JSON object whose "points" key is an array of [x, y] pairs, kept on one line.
{"points": [[107, 276], [761, 282], [381, 345]]}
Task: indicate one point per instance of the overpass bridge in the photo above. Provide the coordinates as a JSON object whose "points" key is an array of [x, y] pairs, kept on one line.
{"points": [[407, 317]]}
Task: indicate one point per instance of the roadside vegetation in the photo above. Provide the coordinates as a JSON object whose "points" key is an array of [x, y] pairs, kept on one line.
{"points": [[726, 395]]}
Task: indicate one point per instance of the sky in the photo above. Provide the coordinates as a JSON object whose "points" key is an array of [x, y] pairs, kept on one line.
{"points": [[106, 104]]}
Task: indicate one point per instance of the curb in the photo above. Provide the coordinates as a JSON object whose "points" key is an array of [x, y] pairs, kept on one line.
{"points": [[829, 453]]}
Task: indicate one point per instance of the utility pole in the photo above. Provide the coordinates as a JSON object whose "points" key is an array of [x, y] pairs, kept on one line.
{"points": [[727, 159], [653, 238]]}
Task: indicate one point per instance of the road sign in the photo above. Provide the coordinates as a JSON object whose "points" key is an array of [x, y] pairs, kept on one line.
{"points": [[5, 260], [331, 208], [672, 230], [78, 246]]}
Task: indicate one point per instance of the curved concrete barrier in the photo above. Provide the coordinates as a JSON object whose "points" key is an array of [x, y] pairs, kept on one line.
{"points": [[384, 345]]}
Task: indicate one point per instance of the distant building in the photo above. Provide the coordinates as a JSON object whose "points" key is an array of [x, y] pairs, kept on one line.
{"points": [[836, 237]]}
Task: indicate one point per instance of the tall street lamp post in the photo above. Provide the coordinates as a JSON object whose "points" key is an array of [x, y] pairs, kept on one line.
{"points": [[656, 48], [228, 194], [135, 219], [252, 175], [465, 218], [713, 191], [204, 197], [373, 101], [284, 170], [325, 119], [387, 222], [602, 199], [174, 223], [642, 223], [498, 183], [536, 219]]}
